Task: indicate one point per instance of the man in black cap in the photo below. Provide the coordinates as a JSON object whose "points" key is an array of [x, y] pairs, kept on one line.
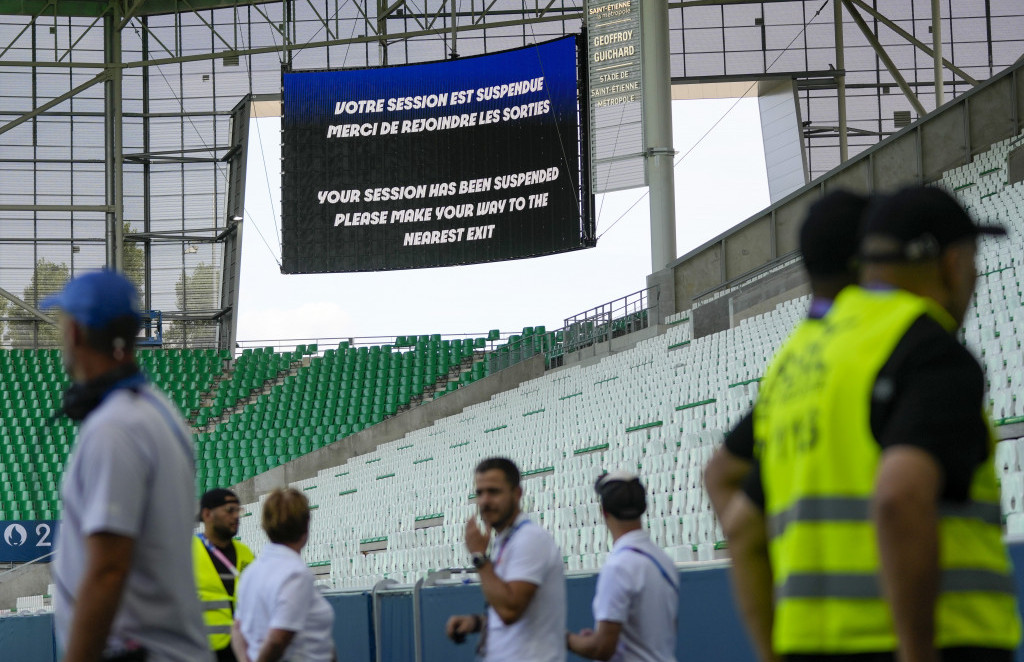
{"points": [[828, 244], [875, 462], [637, 596], [218, 560]]}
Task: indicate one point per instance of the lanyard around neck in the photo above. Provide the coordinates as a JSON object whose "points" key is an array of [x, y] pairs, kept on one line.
{"points": [[507, 539], [219, 554]]}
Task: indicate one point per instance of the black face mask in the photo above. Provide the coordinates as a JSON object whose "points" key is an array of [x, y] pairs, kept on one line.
{"points": [[80, 399]]}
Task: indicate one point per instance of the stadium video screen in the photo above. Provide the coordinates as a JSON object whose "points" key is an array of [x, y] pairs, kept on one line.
{"points": [[446, 163]]}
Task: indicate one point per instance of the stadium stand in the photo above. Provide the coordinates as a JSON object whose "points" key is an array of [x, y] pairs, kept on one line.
{"points": [[34, 445], [398, 512], [661, 407], [280, 406]]}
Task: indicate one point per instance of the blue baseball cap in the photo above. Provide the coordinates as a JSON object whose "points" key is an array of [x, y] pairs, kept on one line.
{"points": [[96, 298]]}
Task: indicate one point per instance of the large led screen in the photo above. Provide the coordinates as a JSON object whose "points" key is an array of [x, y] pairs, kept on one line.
{"points": [[446, 163]]}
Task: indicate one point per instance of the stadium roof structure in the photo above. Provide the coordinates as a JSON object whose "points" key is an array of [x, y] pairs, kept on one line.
{"points": [[124, 124]]}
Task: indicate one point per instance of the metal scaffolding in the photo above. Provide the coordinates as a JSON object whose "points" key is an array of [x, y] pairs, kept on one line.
{"points": [[124, 123]]}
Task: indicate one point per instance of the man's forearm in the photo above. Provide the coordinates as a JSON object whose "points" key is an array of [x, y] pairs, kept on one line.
{"points": [[723, 478], [751, 572], [496, 592], [584, 645], [98, 598], [271, 652], [275, 645], [908, 542]]}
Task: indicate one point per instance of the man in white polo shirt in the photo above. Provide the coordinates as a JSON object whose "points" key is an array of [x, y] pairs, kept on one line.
{"points": [[123, 567], [637, 596], [524, 583]]}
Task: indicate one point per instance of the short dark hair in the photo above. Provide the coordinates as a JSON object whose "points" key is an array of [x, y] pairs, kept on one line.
{"points": [[622, 496], [103, 340], [502, 464]]}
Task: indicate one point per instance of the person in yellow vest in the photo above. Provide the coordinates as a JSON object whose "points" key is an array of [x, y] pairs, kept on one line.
{"points": [[218, 560], [875, 462], [829, 238]]}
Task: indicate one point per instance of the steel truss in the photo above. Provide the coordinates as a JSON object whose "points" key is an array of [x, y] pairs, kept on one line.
{"points": [[128, 123]]}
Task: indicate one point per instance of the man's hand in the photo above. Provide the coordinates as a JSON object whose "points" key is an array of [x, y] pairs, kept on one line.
{"points": [[459, 626], [476, 542], [239, 646], [599, 644]]}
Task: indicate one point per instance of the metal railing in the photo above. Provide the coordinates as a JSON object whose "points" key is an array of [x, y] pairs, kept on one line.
{"points": [[323, 344], [613, 319], [610, 320]]}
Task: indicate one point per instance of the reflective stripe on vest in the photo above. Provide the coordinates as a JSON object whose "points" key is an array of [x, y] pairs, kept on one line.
{"points": [[857, 586], [819, 462], [857, 509], [218, 629], [216, 604]]}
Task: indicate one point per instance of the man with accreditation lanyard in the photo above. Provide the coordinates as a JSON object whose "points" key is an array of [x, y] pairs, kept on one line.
{"points": [[524, 584], [637, 597], [218, 559]]}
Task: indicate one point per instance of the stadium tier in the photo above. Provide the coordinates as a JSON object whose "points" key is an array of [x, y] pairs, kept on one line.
{"points": [[33, 445], [661, 408], [281, 406]]}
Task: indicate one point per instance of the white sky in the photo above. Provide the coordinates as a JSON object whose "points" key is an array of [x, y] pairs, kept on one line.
{"points": [[720, 183]]}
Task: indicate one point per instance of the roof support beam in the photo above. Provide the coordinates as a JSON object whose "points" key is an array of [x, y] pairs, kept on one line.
{"points": [[31, 310], [884, 20], [98, 78], [29, 24], [886, 60], [837, 11]]}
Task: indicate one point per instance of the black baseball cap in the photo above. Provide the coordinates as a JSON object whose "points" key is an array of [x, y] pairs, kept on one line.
{"points": [[924, 220], [830, 234], [622, 494], [217, 497]]}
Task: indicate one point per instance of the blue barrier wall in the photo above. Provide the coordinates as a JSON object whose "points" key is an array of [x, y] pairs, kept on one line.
{"points": [[353, 626], [29, 639], [709, 627]]}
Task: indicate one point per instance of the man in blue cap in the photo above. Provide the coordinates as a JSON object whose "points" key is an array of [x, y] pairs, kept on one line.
{"points": [[123, 568]]}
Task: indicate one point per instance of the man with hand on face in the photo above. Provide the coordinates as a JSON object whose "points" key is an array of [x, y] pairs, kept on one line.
{"points": [[218, 560], [637, 596], [524, 584]]}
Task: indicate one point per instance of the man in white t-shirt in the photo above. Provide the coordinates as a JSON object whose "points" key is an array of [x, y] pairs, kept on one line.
{"points": [[523, 584], [637, 596], [123, 566]]}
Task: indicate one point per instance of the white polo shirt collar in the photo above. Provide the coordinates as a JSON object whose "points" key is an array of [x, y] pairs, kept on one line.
{"points": [[637, 536]]}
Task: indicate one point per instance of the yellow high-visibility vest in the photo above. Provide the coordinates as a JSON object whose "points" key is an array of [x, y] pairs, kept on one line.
{"points": [[218, 604], [819, 462]]}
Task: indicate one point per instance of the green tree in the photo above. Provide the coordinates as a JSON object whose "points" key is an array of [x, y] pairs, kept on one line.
{"points": [[195, 292], [5, 310], [133, 260], [47, 278]]}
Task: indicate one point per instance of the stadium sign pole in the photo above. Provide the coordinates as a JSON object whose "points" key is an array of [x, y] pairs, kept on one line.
{"points": [[658, 150], [114, 153], [937, 48], [837, 11]]}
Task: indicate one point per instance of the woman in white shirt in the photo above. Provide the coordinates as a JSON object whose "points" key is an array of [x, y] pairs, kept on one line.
{"points": [[281, 615]]}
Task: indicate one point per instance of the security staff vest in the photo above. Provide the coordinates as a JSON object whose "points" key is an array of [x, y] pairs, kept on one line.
{"points": [[819, 461], [218, 604]]}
